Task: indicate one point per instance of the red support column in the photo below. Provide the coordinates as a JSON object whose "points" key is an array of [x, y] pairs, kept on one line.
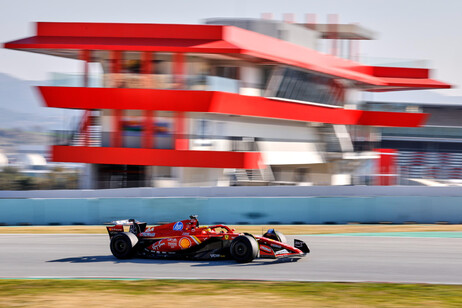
{"points": [[115, 68], [116, 134], [181, 137], [85, 56], [146, 62], [148, 129], [148, 125], [178, 70], [386, 167], [146, 68], [116, 62]]}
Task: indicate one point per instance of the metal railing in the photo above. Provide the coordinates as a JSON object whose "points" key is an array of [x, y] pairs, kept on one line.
{"points": [[150, 81]]}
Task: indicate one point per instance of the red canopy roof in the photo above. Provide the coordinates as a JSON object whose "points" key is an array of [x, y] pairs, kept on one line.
{"points": [[209, 39]]}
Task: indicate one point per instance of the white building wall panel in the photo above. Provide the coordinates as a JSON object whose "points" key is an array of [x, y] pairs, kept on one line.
{"points": [[290, 153], [233, 126]]}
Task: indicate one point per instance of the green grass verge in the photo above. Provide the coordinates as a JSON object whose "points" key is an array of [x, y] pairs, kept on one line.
{"points": [[182, 293]]}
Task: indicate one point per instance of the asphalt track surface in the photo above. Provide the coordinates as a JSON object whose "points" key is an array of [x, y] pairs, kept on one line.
{"points": [[333, 258]]}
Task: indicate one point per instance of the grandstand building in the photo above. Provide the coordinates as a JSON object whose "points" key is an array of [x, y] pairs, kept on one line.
{"points": [[230, 102], [429, 155]]}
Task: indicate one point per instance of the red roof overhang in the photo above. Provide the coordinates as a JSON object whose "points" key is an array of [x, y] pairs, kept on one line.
{"points": [[117, 43], [396, 84], [186, 38], [221, 103], [402, 78], [217, 39]]}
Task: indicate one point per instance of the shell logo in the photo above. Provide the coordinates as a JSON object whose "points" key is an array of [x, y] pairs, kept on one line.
{"points": [[185, 243]]}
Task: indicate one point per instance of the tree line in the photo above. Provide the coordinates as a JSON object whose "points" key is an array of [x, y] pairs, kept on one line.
{"points": [[58, 178]]}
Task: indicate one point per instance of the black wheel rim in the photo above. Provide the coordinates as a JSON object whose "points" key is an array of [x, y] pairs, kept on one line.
{"points": [[120, 246], [240, 249]]}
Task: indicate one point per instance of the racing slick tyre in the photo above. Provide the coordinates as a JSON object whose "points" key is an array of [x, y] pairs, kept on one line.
{"points": [[275, 235], [122, 245], [244, 248]]}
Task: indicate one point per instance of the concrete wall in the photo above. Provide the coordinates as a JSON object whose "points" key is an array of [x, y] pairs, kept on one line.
{"points": [[252, 205]]}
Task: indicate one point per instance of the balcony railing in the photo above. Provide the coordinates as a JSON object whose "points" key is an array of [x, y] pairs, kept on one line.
{"points": [[97, 138], [155, 81]]}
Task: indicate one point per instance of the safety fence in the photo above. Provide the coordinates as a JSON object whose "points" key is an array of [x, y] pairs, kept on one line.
{"points": [[234, 210]]}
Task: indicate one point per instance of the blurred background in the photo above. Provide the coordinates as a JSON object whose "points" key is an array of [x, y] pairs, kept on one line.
{"points": [[301, 153], [321, 117]]}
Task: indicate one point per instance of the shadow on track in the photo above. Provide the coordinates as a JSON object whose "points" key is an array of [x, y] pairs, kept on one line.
{"points": [[195, 263], [256, 262], [112, 259]]}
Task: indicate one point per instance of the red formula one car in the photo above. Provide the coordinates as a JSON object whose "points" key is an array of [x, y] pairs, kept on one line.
{"points": [[186, 239]]}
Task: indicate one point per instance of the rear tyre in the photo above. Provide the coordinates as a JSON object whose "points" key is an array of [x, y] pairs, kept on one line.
{"points": [[123, 244], [244, 249]]}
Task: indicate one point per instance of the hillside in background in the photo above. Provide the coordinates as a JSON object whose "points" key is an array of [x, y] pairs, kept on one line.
{"points": [[12, 138], [21, 107]]}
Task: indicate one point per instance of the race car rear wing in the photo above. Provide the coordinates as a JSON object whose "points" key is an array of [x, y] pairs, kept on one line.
{"points": [[123, 222], [136, 227]]}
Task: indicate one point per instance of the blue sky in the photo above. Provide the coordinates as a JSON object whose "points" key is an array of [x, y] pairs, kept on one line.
{"points": [[413, 29]]}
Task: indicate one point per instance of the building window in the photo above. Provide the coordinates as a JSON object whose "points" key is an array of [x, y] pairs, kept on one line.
{"points": [[308, 87], [231, 72]]}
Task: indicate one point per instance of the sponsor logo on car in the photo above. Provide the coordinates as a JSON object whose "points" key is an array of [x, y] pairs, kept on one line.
{"points": [[282, 251], [173, 244], [157, 245], [148, 234], [178, 226], [265, 248], [185, 243]]}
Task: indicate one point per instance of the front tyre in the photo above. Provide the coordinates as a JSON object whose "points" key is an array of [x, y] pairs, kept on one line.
{"points": [[244, 249], [122, 245]]}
